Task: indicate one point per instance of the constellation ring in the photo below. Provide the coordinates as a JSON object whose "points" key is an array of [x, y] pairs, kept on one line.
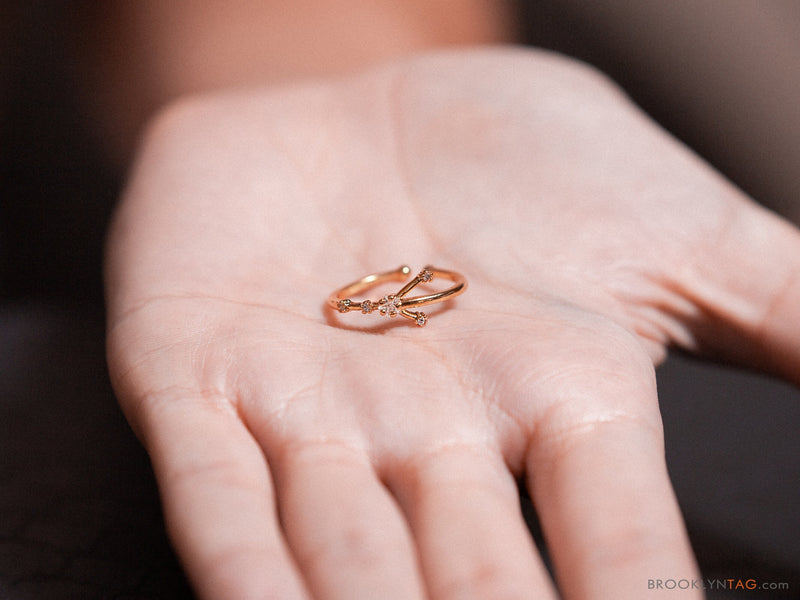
{"points": [[397, 304]]}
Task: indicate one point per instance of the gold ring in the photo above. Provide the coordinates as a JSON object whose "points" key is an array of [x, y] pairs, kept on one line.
{"points": [[397, 304]]}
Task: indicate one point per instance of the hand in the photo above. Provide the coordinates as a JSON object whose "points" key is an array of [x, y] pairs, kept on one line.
{"points": [[305, 453]]}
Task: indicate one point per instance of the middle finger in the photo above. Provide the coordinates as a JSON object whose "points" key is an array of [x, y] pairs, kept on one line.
{"points": [[463, 507]]}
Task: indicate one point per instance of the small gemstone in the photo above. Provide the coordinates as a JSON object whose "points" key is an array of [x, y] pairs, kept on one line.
{"points": [[421, 319], [389, 306], [425, 276], [367, 306], [343, 305]]}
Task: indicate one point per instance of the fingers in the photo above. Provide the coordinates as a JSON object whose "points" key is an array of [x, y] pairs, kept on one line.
{"points": [[218, 502], [463, 507], [601, 489], [344, 528]]}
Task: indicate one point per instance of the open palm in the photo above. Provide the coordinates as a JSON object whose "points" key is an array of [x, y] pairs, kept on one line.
{"points": [[301, 452]]}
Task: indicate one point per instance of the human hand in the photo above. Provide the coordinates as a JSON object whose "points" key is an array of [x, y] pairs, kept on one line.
{"points": [[305, 453]]}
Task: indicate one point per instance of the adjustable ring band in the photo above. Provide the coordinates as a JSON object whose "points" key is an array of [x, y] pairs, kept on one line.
{"points": [[397, 304]]}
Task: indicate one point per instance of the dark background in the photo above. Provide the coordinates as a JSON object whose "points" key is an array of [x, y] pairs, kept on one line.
{"points": [[79, 512]]}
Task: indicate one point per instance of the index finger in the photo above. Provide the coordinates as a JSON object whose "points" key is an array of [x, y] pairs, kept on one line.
{"points": [[602, 491]]}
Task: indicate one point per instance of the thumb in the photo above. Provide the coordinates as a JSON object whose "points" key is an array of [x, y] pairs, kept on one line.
{"points": [[747, 290]]}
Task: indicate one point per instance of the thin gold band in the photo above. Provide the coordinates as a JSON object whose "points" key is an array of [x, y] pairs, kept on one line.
{"points": [[397, 304]]}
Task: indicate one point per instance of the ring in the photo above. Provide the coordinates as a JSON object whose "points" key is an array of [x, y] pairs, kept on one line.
{"points": [[397, 304]]}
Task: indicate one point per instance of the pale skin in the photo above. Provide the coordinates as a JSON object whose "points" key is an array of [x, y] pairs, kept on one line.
{"points": [[306, 454]]}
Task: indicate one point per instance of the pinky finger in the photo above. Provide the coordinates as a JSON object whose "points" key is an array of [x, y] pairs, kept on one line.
{"points": [[219, 503]]}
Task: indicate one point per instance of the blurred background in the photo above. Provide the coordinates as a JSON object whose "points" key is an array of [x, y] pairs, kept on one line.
{"points": [[79, 511]]}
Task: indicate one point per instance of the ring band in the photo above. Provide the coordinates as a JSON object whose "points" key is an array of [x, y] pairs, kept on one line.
{"points": [[397, 304]]}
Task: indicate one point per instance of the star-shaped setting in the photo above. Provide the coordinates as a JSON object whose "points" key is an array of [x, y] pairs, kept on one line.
{"points": [[399, 303], [390, 305]]}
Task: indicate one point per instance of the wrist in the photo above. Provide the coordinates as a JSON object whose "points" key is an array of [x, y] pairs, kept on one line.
{"points": [[175, 49]]}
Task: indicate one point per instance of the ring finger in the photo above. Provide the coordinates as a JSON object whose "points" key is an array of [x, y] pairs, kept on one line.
{"points": [[344, 528]]}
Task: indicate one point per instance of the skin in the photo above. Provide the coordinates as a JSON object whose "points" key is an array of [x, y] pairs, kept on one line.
{"points": [[303, 453], [138, 56]]}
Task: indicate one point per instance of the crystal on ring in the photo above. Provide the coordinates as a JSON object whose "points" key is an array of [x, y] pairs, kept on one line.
{"points": [[421, 319], [343, 305], [425, 275], [389, 306], [367, 306]]}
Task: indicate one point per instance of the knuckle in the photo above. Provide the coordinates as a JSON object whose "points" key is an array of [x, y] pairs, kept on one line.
{"points": [[484, 580], [358, 546]]}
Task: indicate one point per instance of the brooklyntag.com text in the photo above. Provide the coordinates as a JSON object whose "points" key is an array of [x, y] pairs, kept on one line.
{"points": [[715, 584]]}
